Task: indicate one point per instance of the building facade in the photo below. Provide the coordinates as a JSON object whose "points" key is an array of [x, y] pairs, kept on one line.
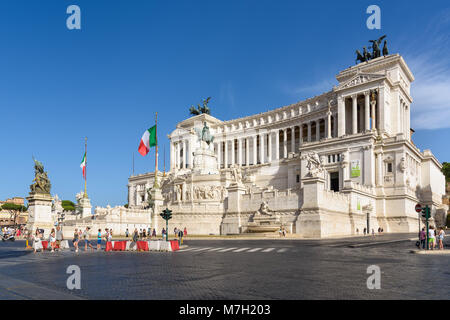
{"points": [[331, 165]]}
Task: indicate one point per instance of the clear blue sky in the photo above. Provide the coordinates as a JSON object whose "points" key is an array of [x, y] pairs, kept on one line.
{"points": [[132, 58]]}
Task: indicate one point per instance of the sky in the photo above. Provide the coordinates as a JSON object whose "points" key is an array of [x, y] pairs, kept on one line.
{"points": [[131, 59]]}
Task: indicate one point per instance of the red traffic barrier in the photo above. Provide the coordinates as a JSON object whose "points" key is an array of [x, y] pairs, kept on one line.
{"points": [[120, 245], [142, 245], [108, 246], [174, 244]]}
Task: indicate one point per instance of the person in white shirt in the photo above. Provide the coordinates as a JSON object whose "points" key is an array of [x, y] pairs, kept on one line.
{"points": [[431, 238]]}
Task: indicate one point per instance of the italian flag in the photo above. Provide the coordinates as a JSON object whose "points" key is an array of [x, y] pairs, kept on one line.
{"points": [[148, 140], [83, 165]]}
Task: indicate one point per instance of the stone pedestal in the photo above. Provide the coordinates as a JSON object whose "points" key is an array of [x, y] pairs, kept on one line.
{"points": [[231, 223], [309, 223], [205, 161], [158, 202], [40, 212], [264, 223], [84, 207]]}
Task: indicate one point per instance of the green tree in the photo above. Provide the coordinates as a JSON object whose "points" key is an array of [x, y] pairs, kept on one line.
{"points": [[446, 170], [68, 205], [14, 207]]}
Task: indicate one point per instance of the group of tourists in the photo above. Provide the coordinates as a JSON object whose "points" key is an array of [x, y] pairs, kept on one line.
{"points": [[81, 237], [435, 238]]}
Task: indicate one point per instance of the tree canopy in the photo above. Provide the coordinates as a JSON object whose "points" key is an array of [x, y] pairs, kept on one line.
{"points": [[68, 205], [14, 207], [446, 170]]}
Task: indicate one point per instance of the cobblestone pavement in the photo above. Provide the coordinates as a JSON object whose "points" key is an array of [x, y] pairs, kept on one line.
{"points": [[237, 269]]}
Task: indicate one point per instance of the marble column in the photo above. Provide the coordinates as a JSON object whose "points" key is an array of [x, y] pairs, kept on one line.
{"points": [[262, 155], [366, 110], [293, 139], [341, 116], [328, 132], [172, 158], [277, 144], [269, 147], [255, 151], [189, 154], [240, 151], [309, 132], [247, 151], [184, 154], [354, 114], [373, 104], [178, 155], [284, 143], [225, 156], [219, 154], [232, 152]]}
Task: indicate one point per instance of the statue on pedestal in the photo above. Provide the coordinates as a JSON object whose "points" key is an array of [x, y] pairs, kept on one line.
{"points": [[41, 181], [263, 209], [314, 164]]}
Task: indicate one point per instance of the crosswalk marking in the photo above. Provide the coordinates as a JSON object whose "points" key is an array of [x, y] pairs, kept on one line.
{"points": [[241, 249], [254, 250], [215, 249], [282, 250], [268, 249], [188, 249], [227, 249], [201, 249]]}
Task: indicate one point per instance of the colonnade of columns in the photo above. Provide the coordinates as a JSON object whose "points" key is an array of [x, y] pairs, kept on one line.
{"points": [[273, 144], [180, 155], [363, 115]]}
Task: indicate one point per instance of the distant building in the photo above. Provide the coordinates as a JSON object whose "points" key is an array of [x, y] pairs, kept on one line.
{"points": [[12, 218]]}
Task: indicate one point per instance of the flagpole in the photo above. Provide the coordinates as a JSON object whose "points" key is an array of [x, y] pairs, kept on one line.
{"points": [[164, 172], [85, 167], [155, 184]]}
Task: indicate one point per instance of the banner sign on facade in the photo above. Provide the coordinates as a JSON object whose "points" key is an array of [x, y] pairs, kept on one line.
{"points": [[355, 169]]}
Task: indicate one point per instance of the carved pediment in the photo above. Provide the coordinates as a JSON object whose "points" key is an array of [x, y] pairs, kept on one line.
{"points": [[358, 79]]}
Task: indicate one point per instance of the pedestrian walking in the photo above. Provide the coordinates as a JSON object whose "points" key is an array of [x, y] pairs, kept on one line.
{"points": [[364, 231], [280, 232], [126, 233], [175, 232], [37, 240], [284, 232], [52, 239], [99, 239], [431, 238], [154, 232], [144, 235], [185, 232], [149, 232], [373, 232], [76, 238], [180, 237], [86, 239], [163, 233], [357, 231], [441, 236], [59, 237], [422, 237]]}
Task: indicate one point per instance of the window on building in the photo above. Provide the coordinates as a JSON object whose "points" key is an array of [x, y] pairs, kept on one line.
{"points": [[389, 167]]}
